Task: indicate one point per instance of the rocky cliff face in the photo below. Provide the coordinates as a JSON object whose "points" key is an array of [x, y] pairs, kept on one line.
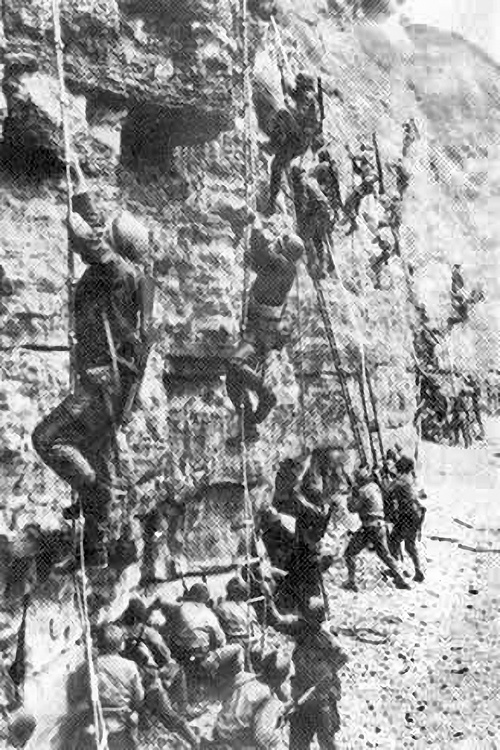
{"points": [[156, 111], [155, 105]]}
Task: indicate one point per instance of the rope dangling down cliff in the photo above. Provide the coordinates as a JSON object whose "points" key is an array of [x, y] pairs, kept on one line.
{"points": [[82, 599]]}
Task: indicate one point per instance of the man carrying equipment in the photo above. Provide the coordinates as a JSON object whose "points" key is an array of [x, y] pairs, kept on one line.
{"points": [[314, 222], [366, 172], [276, 268], [367, 501], [120, 692], [296, 128], [164, 680], [250, 714], [406, 512], [75, 439], [326, 174], [316, 689]]}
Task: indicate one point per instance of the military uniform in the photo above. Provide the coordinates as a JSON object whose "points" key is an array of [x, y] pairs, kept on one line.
{"points": [[249, 717], [75, 439], [314, 222], [366, 173], [121, 695], [304, 575], [163, 678], [407, 514], [265, 329], [368, 502], [327, 177], [317, 658], [294, 131]]}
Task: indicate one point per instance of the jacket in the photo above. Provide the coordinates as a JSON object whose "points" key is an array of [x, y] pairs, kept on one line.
{"points": [[120, 690], [196, 629], [248, 719], [368, 502]]}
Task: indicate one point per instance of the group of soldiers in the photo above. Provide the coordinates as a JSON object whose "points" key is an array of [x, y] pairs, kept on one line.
{"points": [[453, 418], [77, 440], [112, 304], [152, 661]]}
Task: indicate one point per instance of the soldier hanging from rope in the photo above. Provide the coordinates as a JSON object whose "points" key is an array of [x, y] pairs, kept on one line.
{"points": [[388, 234], [276, 268], [365, 171], [296, 128], [326, 174], [76, 438], [314, 221]]}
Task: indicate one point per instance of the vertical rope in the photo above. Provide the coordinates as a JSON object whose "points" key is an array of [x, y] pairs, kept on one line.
{"points": [[98, 717], [248, 153], [300, 333], [249, 170], [59, 46]]}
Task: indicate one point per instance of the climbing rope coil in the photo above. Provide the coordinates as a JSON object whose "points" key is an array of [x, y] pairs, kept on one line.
{"points": [[81, 594]]}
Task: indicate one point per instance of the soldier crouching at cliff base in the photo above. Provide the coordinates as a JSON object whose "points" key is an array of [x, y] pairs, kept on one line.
{"points": [[75, 439]]}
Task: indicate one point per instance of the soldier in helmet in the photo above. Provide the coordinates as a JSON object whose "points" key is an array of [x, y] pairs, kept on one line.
{"points": [[275, 263], [75, 439], [367, 501], [295, 129], [327, 176], [365, 173], [316, 688], [314, 221]]}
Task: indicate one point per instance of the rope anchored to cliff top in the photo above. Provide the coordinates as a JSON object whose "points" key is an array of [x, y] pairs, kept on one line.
{"points": [[97, 712]]}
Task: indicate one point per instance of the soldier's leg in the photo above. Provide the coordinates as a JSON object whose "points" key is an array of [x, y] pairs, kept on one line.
{"points": [[241, 378], [236, 387], [303, 724], [328, 724], [279, 163], [378, 537], [411, 546], [319, 248], [62, 437], [357, 544], [394, 540], [179, 691]]}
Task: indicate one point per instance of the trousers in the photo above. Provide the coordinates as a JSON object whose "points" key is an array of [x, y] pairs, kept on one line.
{"points": [[320, 718], [76, 441], [375, 535]]}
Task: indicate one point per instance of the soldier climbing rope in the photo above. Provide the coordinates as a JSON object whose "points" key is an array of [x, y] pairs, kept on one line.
{"points": [[82, 596], [322, 305]]}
